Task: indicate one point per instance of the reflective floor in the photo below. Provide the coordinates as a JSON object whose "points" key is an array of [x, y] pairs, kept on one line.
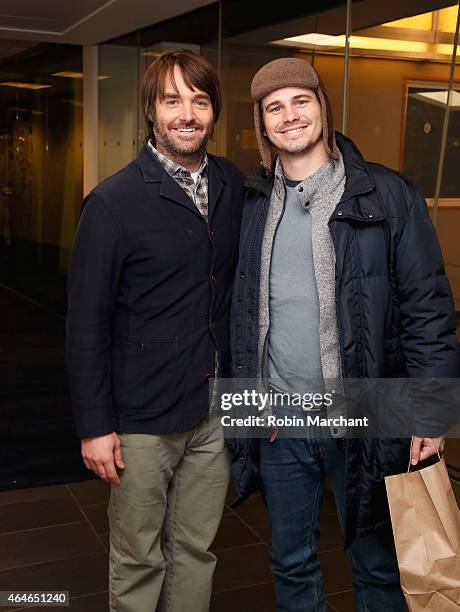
{"points": [[56, 538]]}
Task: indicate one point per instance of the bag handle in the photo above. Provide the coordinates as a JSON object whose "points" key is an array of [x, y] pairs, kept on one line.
{"points": [[410, 451]]}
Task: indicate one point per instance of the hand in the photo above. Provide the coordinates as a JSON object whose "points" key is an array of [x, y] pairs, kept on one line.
{"points": [[422, 448], [101, 454]]}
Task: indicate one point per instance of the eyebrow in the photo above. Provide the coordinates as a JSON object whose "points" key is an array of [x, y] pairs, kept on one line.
{"points": [[277, 102], [173, 95]]}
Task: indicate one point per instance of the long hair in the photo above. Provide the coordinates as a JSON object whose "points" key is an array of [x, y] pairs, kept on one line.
{"points": [[197, 73]]}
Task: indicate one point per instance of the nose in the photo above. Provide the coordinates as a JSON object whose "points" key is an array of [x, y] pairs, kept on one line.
{"points": [[291, 113], [187, 112]]}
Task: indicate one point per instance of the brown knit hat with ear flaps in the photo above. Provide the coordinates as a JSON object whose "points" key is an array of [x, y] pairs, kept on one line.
{"points": [[289, 72]]}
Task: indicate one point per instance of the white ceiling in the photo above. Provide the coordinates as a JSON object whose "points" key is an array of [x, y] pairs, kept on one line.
{"points": [[85, 22]]}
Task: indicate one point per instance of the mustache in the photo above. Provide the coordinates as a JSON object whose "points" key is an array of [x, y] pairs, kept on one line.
{"points": [[291, 126], [184, 124]]}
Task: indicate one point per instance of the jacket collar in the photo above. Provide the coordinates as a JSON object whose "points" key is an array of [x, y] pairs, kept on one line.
{"points": [[358, 182], [153, 172]]}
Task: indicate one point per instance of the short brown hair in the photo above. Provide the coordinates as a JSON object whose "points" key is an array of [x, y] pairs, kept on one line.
{"points": [[197, 72]]}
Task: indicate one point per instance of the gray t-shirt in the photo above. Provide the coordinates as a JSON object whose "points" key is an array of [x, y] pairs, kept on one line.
{"points": [[293, 343]]}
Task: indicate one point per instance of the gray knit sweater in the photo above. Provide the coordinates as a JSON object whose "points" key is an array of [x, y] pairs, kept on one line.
{"points": [[323, 190]]}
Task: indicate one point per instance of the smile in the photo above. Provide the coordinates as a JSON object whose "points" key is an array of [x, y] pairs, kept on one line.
{"points": [[186, 130], [295, 130]]}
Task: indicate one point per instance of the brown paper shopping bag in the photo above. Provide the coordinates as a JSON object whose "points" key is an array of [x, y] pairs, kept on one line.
{"points": [[426, 527]]}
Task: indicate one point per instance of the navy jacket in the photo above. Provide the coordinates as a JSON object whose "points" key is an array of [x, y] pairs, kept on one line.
{"points": [[149, 291], [394, 312]]}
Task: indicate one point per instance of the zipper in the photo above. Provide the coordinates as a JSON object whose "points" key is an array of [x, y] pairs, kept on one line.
{"points": [[337, 306]]}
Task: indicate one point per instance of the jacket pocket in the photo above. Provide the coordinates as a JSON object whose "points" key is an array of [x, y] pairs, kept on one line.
{"points": [[144, 372]]}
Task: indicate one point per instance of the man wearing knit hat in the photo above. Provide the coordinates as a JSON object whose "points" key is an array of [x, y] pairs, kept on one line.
{"points": [[340, 276]]}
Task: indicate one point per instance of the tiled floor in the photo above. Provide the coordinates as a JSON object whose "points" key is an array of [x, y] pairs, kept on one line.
{"points": [[56, 538]]}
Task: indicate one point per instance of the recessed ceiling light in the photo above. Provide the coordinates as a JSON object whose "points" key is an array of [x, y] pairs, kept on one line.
{"points": [[324, 41], [18, 109], [70, 74], [25, 85], [152, 53]]}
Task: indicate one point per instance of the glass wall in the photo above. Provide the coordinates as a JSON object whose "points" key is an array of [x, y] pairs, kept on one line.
{"points": [[120, 133], [396, 103], [40, 169], [41, 174]]}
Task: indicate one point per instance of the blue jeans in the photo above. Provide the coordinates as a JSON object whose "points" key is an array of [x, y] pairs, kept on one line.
{"points": [[293, 472]]}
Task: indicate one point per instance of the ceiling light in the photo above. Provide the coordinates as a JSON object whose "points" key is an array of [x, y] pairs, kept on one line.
{"points": [[439, 98], [33, 86], [152, 53], [69, 74], [356, 43], [17, 109]]}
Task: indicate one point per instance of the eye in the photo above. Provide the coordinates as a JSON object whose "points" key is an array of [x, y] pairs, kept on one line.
{"points": [[172, 102], [275, 109], [202, 103], [302, 102]]}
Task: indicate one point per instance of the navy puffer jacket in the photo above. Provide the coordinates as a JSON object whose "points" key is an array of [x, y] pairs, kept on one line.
{"points": [[394, 312]]}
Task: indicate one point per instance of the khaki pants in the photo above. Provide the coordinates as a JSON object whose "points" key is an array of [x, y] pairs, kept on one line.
{"points": [[163, 519]]}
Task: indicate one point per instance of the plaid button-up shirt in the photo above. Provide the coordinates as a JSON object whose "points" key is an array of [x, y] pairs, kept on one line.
{"points": [[196, 191]]}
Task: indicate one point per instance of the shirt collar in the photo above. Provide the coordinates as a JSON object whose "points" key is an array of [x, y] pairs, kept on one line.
{"points": [[174, 168]]}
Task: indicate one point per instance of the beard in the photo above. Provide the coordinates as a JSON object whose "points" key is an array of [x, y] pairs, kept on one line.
{"points": [[298, 147], [164, 136]]}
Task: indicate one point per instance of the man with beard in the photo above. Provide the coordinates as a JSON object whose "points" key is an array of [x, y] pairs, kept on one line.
{"points": [[340, 276], [147, 329]]}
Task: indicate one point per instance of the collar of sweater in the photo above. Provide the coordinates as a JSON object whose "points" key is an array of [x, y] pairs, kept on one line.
{"points": [[327, 181]]}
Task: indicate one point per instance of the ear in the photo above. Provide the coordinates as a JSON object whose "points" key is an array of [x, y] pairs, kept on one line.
{"points": [[264, 131]]}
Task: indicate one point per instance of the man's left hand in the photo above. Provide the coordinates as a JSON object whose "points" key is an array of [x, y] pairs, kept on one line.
{"points": [[422, 448]]}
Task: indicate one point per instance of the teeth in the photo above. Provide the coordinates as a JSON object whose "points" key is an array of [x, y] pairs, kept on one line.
{"points": [[186, 129], [294, 131]]}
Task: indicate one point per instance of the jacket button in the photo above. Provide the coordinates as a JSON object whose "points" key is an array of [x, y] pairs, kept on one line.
{"points": [[301, 189], [339, 213], [211, 232], [212, 324], [370, 215], [242, 275], [213, 279], [208, 376]]}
